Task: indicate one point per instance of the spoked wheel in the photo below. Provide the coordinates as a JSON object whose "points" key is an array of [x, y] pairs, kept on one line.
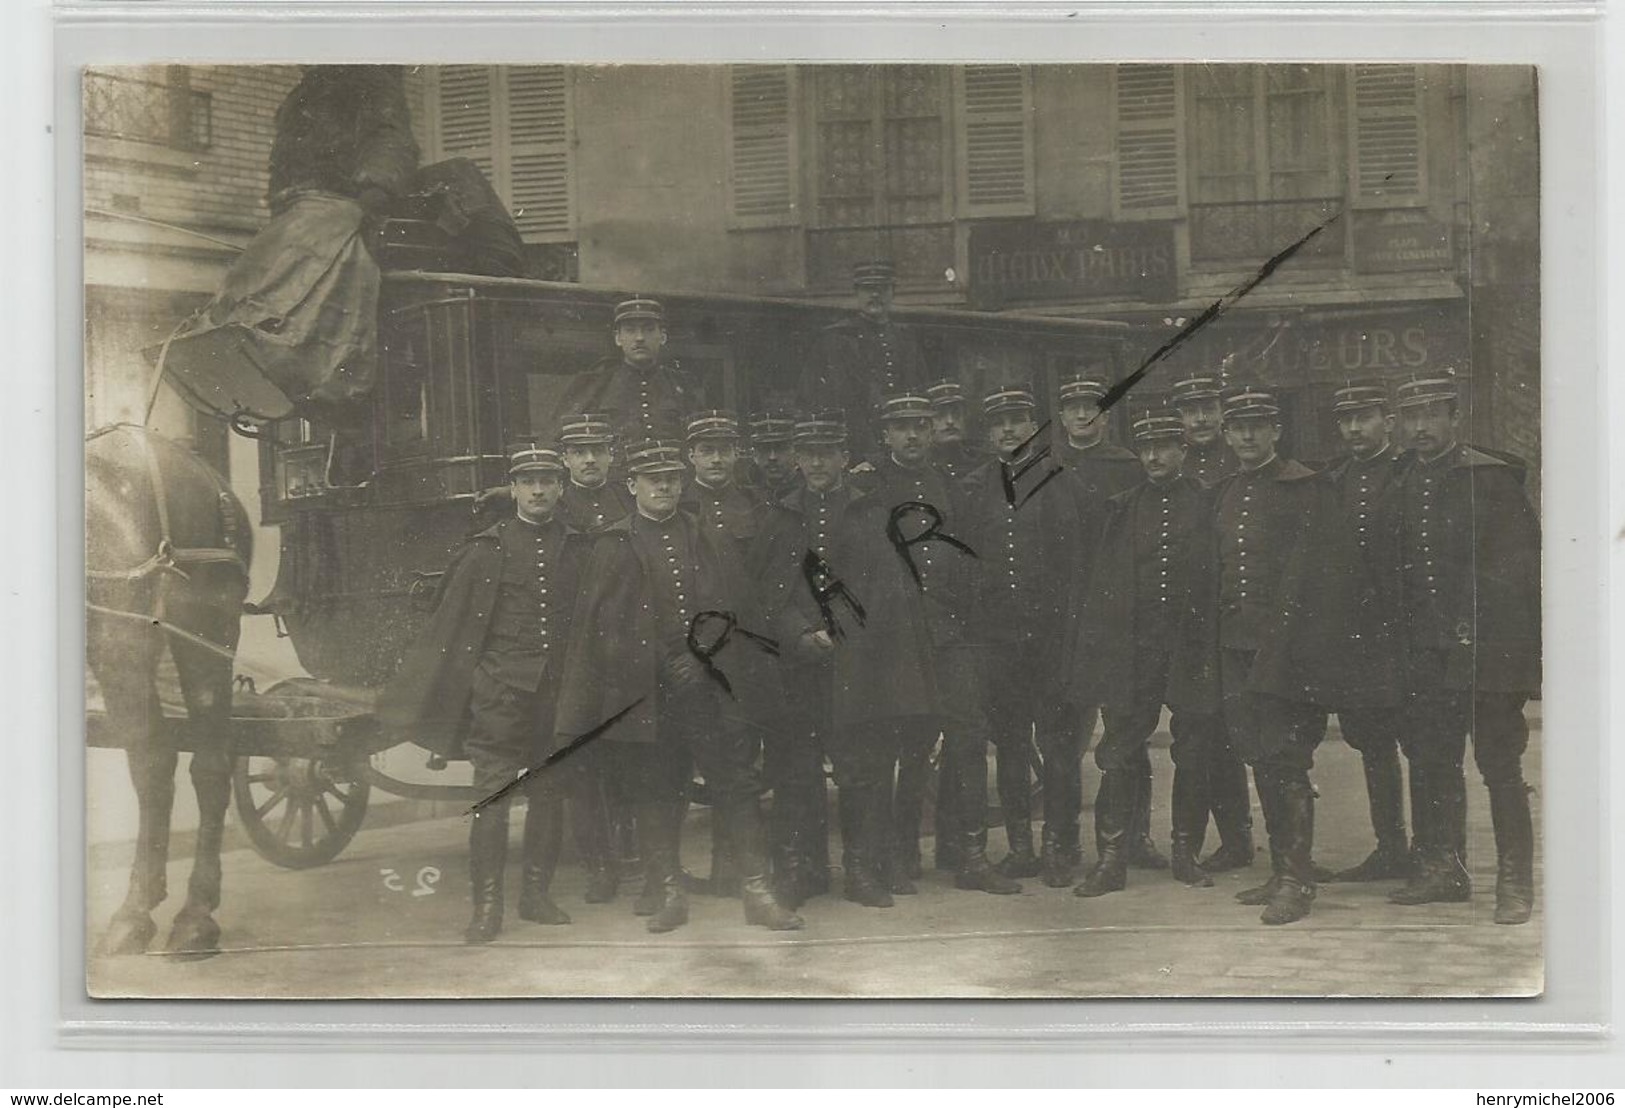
{"points": [[298, 812]]}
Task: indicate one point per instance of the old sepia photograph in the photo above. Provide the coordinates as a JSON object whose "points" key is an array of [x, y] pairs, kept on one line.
{"points": [[812, 531]]}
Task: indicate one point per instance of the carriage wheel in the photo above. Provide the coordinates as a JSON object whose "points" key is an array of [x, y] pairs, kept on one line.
{"points": [[298, 812]]}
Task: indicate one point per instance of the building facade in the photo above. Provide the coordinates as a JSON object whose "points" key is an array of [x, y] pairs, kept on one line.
{"points": [[1132, 192]]}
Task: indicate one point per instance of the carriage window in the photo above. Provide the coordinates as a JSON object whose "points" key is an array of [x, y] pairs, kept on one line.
{"points": [[404, 412]]}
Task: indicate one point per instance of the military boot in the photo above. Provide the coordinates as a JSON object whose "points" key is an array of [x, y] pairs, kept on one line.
{"points": [[762, 908], [650, 818], [1515, 853], [1141, 850], [1385, 792], [673, 910], [1443, 878], [1016, 801], [977, 874], [1115, 805], [867, 840], [544, 839], [487, 856], [589, 816], [1268, 801], [725, 877], [1231, 803], [1183, 863], [1055, 863], [1189, 803], [1296, 891]]}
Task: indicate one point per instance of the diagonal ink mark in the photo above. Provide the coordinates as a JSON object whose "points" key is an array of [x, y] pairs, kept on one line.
{"points": [[556, 757], [1046, 479], [1211, 313]]}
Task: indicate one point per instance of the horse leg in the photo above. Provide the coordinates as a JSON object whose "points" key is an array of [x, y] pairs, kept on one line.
{"points": [[151, 757], [206, 684]]}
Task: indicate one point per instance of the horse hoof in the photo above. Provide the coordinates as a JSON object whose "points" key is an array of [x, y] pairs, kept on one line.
{"points": [[127, 934], [194, 937]]}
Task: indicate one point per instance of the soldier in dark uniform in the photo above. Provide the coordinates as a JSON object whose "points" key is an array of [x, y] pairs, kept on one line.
{"points": [[641, 392], [805, 524], [1365, 419], [731, 515], [635, 651], [771, 468], [1275, 638], [860, 360], [1126, 636], [903, 677], [493, 648], [1097, 470], [1207, 459], [951, 448], [1028, 574], [1197, 400], [1467, 546], [591, 500]]}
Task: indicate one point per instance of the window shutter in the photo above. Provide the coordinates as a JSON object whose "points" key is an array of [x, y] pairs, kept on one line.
{"points": [[540, 192], [761, 153], [1149, 108], [993, 107], [1389, 168], [464, 119]]}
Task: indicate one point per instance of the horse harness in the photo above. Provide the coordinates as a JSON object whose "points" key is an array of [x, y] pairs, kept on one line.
{"points": [[168, 558]]}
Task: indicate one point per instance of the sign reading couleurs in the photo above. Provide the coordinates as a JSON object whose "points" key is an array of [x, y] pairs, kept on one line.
{"points": [[1035, 262]]}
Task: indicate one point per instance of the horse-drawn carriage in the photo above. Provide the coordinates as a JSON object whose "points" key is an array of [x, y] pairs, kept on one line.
{"points": [[370, 505]]}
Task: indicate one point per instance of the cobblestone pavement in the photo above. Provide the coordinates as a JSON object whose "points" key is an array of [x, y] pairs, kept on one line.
{"points": [[341, 930]]}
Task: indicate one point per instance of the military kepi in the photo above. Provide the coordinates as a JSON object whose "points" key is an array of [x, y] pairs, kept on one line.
{"points": [[906, 406], [1162, 423], [1194, 390], [1009, 398], [527, 457], [654, 456], [1426, 390], [1355, 397], [586, 429], [771, 426], [639, 307], [1250, 401], [713, 424], [945, 392], [873, 273], [821, 429], [1082, 387]]}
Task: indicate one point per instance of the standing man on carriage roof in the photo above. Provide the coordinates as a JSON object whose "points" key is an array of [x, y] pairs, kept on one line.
{"points": [[483, 680], [860, 360], [644, 394]]}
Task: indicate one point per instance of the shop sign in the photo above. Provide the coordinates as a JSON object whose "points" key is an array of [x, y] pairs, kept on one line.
{"points": [[1400, 241], [1036, 262]]}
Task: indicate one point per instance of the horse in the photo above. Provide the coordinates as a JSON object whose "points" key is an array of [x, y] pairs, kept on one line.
{"points": [[167, 548]]}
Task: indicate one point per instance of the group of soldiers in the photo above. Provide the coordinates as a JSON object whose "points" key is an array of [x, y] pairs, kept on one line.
{"points": [[676, 596]]}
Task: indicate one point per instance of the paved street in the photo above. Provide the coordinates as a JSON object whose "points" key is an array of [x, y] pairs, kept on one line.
{"points": [[385, 919]]}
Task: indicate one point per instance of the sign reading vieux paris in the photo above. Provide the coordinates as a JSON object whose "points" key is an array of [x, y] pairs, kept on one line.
{"points": [[1024, 262]]}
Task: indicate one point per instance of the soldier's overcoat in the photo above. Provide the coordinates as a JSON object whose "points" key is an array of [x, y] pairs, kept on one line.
{"points": [[427, 700]]}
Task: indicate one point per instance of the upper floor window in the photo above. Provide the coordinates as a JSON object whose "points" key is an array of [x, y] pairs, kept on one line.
{"points": [[153, 104], [516, 122]]}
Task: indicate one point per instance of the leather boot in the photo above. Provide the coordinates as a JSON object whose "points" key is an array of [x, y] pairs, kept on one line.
{"points": [[1443, 878], [946, 853], [1015, 798], [544, 839], [977, 874], [863, 862], [908, 813], [1231, 803], [1385, 792], [1186, 869], [589, 816], [1115, 805], [1268, 802], [487, 855], [725, 877], [1296, 890], [1055, 863], [662, 843], [762, 908], [1142, 851], [673, 910], [1190, 809], [650, 819], [1515, 853]]}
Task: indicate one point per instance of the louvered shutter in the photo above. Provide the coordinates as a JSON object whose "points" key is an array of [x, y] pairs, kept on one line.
{"points": [[993, 109], [1389, 167], [540, 184], [1149, 110], [761, 153], [464, 115]]}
